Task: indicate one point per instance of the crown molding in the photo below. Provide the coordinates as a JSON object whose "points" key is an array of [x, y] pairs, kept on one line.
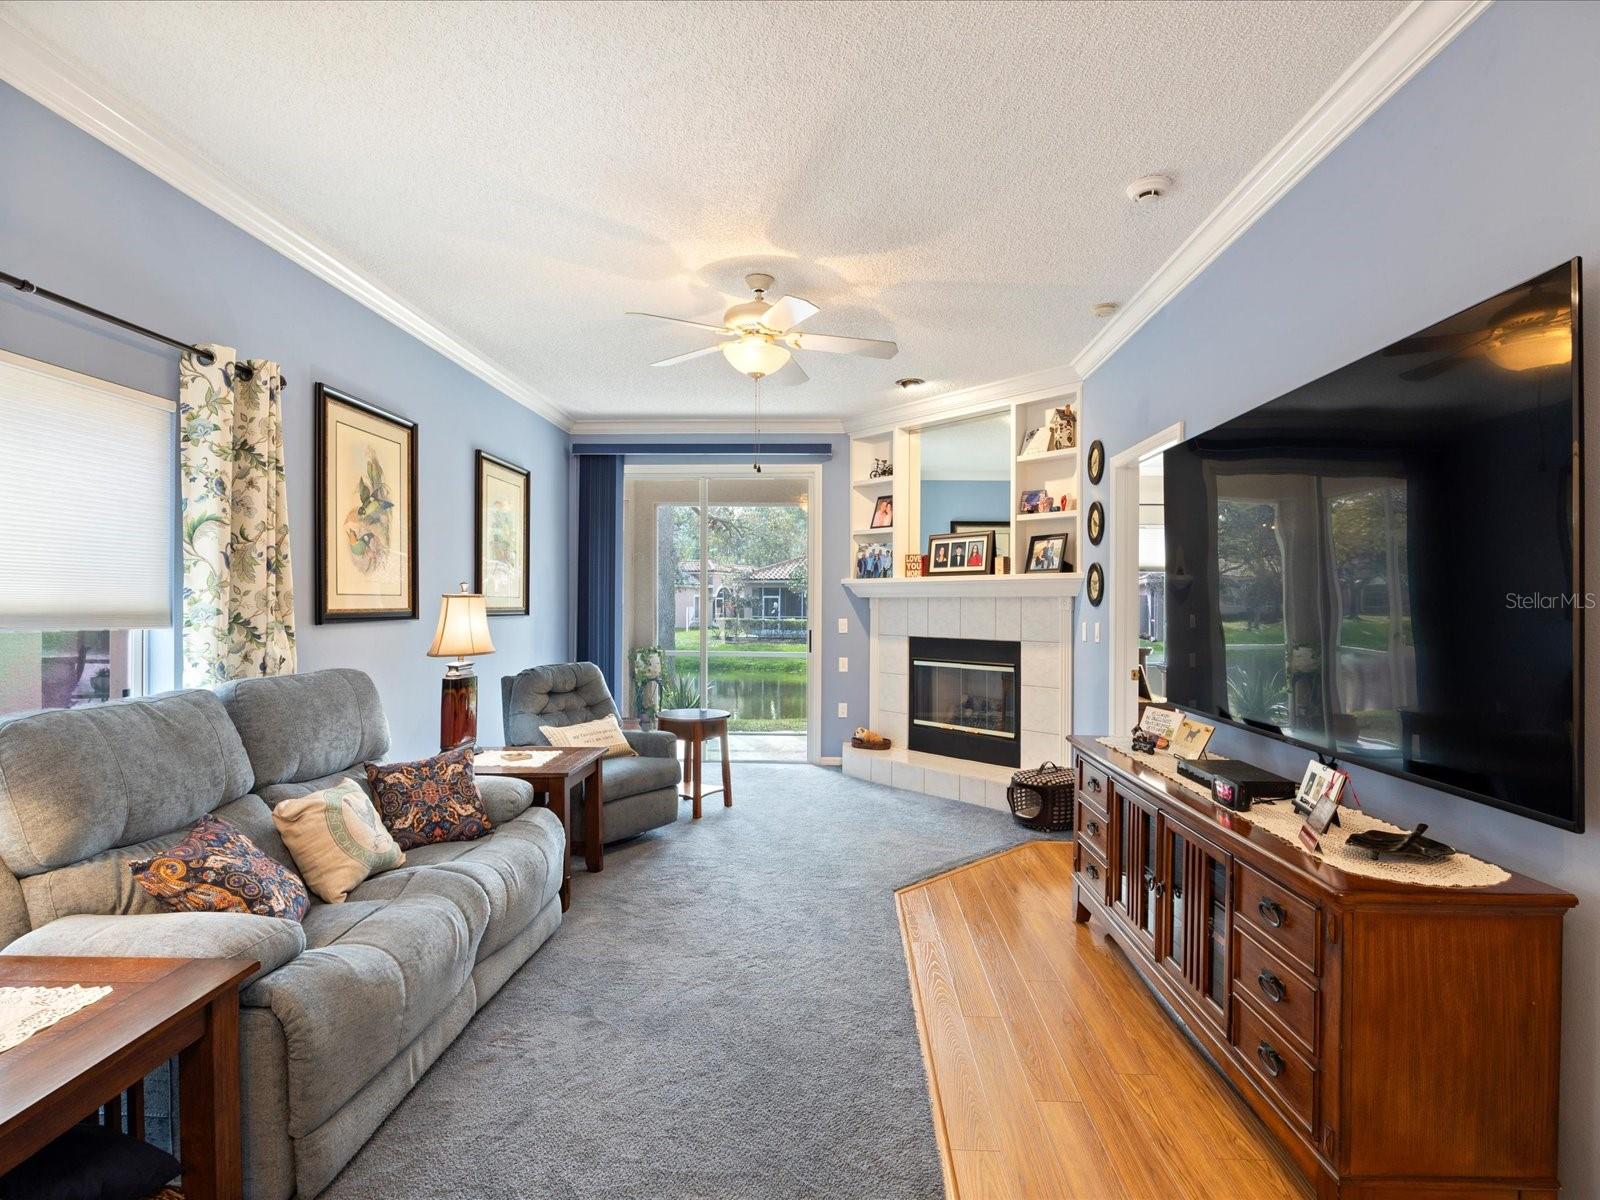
{"points": [[647, 427], [1410, 42], [1048, 384], [72, 93]]}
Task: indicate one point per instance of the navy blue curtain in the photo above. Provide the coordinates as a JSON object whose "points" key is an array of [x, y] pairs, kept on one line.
{"points": [[600, 565]]}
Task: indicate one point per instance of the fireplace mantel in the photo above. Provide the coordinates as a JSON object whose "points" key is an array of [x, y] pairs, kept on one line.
{"points": [[1053, 584]]}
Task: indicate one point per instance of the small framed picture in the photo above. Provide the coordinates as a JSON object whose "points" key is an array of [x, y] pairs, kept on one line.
{"points": [[502, 536], [1047, 552], [883, 513], [961, 553], [1035, 441], [1318, 782], [1034, 500], [1191, 737], [874, 560]]}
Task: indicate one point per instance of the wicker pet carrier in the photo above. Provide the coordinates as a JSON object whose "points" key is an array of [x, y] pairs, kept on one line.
{"points": [[1042, 798]]}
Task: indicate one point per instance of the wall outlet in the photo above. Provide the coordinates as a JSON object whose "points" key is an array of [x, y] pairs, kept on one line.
{"points": [[844, 709], [844, 624], [844, 664]]}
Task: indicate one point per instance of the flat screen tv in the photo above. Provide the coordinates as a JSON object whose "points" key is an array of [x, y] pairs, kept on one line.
{"points": [[1384, 565]]}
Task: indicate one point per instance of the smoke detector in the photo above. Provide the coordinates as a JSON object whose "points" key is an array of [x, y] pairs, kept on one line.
{"points": [[1149, 189], [910, 381], [1105, 308]]}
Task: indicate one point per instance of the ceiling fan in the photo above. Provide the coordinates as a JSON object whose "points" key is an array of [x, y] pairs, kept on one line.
{"points": [[1532, 331], [759, 335]]}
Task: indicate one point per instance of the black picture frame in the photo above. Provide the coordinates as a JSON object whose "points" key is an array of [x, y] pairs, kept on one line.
{"points": [[327, 400], [482, 460], [884, 505], [1096, 465], [965, 541], [1061, 563], [1095, 523], [1094, 584], [1002, 532]]}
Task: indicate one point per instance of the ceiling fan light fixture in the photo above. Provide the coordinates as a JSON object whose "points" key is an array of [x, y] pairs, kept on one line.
{"points": [[755, 356]]}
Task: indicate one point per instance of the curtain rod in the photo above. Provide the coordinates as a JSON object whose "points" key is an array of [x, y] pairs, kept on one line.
{"points": [[241, 370]]}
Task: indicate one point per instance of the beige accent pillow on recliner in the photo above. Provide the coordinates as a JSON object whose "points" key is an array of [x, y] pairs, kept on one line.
{"points": [[336, 838], [604, 732]]}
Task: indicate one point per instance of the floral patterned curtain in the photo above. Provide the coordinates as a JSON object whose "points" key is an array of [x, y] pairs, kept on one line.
{"points": [[238, 593]]}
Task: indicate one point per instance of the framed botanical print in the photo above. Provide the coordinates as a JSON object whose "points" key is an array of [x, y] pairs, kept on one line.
{"points": [[366, 511], [501, 573]]}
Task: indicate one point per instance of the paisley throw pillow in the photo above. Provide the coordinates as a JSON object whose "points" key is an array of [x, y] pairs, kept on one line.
{"points": [[432, 800], [216, 868]]}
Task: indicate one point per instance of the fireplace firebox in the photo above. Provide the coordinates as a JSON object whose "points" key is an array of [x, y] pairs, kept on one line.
{"points": [[964, 697]]}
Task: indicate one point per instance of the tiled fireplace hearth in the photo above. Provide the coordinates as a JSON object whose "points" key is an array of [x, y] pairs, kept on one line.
{"points": [[1016, 671]]}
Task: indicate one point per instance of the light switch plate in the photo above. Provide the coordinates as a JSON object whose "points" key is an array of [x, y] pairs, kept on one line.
{"points": [[844, 624], [844, 709], [844, 664], [1097, 631], [1083, 631]]}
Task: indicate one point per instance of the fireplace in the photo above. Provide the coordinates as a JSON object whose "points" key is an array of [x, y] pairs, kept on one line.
{"points": [[964, 696]]}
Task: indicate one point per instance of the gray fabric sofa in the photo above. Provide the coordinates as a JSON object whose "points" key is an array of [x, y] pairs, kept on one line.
{"points": [[349, 1007], [640, 793]]}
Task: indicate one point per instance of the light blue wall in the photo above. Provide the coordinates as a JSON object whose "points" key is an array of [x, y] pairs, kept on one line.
{"points": [[946, 500], [849, 687], [1482, 171], [80, 219]]}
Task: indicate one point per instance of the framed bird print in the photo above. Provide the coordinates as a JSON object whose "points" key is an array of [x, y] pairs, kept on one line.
{"points": [[1094, 584], [502, 536], [1097, 460], [366, 511], [1096, 522]]}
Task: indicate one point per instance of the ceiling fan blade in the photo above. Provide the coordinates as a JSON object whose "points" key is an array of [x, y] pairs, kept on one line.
{"points": [[792, 375], [680, 321], [833, 344], [678, 358], [787, 313]]}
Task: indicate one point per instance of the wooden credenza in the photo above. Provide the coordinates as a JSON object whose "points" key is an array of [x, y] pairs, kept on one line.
{"points": [[1403, 1043]]}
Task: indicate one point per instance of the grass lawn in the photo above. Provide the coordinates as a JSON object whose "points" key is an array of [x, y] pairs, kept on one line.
{"points": [[1370, 633], [689, 639], [1239, 633]]}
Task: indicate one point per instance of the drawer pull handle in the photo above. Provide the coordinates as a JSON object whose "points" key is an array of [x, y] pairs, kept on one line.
{"points": [[1271, 986], [1270, 1059], [1093, 828], [1093, 784], [1271, 912], [1094, 871]]}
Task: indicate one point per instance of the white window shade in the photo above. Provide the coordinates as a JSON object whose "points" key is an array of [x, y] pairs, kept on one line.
{"points": [[86, 501]]}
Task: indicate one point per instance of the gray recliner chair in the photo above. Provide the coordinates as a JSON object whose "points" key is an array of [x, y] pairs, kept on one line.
{"points": [[640, 793]]}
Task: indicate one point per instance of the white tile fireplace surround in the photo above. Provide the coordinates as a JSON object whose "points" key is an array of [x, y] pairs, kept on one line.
{"points": [[939, 609]]}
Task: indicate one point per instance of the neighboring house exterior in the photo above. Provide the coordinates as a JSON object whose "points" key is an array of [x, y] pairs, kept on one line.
{"points": [[748, 596]]}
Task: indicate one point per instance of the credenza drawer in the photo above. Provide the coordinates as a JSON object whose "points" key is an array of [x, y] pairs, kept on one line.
{"points": [[1282, 919], [1278, 991], [1092, 871], [1089, 826], [1094, 786], [1281, 1069]]}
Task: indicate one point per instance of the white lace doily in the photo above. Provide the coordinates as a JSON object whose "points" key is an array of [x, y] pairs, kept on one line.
{"points": [[24, 1011], [1280, 820]]}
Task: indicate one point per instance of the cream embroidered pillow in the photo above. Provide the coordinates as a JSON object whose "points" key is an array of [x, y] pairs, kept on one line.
{"points": [[336, 839], [604, 732]]}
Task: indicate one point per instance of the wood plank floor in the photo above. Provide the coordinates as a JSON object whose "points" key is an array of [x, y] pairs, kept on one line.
{"points": [[1054, 1073]]}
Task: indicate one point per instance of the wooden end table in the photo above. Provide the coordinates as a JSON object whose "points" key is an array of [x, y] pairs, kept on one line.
{"points": [[158, 1007], [553, 781], [695, 726]]}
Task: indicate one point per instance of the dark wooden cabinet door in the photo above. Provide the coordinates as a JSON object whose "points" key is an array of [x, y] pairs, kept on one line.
{"points": [[1136, 883], [1192, 922]]}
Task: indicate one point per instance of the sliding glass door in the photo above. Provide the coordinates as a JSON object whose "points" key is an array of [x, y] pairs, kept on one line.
{"points": [[718, 574]]}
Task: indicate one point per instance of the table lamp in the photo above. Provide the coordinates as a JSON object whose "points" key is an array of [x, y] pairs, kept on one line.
{"points": [[463, 631]]}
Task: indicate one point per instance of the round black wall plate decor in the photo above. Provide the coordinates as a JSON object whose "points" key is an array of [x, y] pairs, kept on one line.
{"points": [[1095, 584], [1096, 522], [1097, 460]]}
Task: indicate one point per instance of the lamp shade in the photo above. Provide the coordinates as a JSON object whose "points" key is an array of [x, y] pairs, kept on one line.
{"points": [[463, 626], [755, 355]]}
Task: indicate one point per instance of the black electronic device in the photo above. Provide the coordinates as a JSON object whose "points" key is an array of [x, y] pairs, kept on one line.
{"points": [[1234, 784]]}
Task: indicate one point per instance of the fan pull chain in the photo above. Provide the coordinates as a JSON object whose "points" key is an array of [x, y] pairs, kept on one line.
{"points": [[757, 463]]}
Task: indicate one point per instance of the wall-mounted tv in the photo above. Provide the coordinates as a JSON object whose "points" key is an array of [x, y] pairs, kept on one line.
{"points": [[1385, 564]]}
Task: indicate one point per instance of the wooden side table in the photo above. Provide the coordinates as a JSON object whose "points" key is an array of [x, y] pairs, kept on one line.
{"points": [[694, 726], [158, 1007], [553, 780]]}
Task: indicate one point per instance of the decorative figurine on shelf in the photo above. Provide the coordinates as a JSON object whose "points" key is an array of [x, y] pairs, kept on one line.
{"points": [[1063, 429], [882, 468], [914, 566], [869, 739], [1067, 505], [1411, 845], [646, 668]]}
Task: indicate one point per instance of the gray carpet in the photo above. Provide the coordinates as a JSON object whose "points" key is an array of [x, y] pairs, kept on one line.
{"points": [[724, 1012]]}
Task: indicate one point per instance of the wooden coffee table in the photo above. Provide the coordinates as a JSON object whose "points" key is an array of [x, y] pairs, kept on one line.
{"points": [[553, 780], [694, 726], [158, 1007]]}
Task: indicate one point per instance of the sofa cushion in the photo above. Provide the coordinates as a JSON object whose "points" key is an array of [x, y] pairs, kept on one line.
{"points": [[558, 694], [622, 777], [503, 797], [271, 941], [336, 838], [431, 800], [299, 727], [375, 974], [75, 782], [518, 867], [216, 868]]}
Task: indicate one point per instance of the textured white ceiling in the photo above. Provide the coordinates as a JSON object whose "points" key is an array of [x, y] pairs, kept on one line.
{"points": [[948, 175]]}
